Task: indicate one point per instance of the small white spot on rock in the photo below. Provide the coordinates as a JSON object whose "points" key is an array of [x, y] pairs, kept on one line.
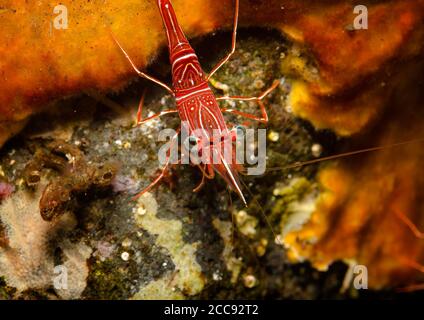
{"points": [[250, 281], [141, 210], [278, 240], [126, 243], [125, 256], [241, 215], [216, 276], [127, 145], [316, 150], [289, 109], [273, 136]]}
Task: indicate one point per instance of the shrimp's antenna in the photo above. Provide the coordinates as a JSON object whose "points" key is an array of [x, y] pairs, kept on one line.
{"points": [[344, 155], [261, 210], [411, 226], [233, 226]]}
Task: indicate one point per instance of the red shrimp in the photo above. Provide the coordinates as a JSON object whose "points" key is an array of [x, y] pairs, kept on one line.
{"points": [[197, 105]]}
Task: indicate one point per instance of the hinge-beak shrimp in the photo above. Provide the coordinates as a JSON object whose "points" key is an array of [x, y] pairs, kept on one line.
{"points": [[197, 106]]}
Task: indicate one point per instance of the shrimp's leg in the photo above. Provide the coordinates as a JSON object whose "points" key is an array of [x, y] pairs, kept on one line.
{"points": [[200, 185], [417, 233], [263, 119], [258, 99], [209, 174], [233, 43], [412, 288], [411, 263], [139, 72], [206, 173], [157, 115], [164, 169]]}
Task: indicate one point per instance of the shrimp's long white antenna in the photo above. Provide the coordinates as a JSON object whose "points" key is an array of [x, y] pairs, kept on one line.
{"points": [[345, 155], [276, 238]]}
